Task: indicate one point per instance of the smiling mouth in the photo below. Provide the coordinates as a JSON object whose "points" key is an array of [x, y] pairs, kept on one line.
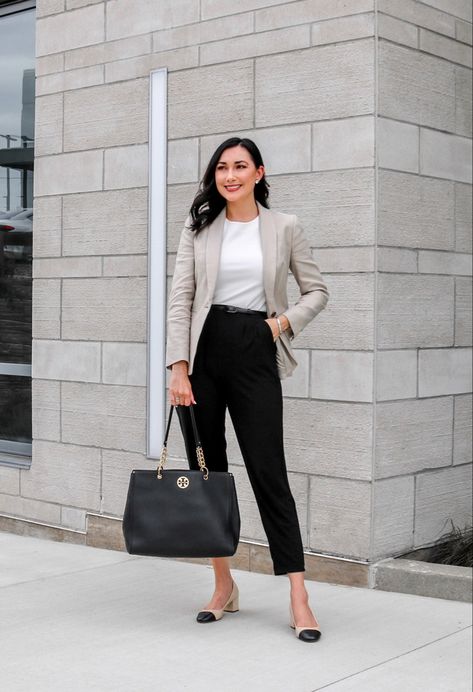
{"points": [[232, 187]]}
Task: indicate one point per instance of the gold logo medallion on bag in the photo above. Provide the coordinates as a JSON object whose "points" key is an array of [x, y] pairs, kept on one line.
{"points": [[182, 482]]}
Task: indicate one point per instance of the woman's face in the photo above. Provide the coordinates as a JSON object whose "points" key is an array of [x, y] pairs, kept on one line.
{"points": [[236, 174]]}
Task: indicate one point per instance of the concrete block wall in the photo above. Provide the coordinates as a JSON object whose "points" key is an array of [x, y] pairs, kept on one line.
{"points": [[422, 373], [360, 109]]}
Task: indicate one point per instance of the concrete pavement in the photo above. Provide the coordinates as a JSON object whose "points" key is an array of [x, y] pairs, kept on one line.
{"points": [[81, 619]]}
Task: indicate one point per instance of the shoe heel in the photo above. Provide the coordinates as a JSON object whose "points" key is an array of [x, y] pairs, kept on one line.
{"points": [[233, 604]]}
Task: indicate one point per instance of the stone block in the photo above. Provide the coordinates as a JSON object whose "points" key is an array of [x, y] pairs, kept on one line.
{"points": [[443, 155], [63, 473], [107, 309], [298, 384], [278, 15], [116, 469], [442, 497], [102, 415], [66, 360], [345, 143], [413, 435], [336, 208], [45, 7], [415, 311], [345, 260], [397, 145], [463, 31], [48, 124], [348, 320], [462, 438], [191, 91], [77, 172], [46, 409], [340, 516], [47, 226], [147, 15], [220, 8], [463, 99], [9, 480], [444, 47], [183, 161], [74, 4], [444, 371], [126, 167], [179, 200], [106, 115], [49, 64], [341, 84], [253, 45], [46, 309], [463, 312], [415, 211], [342, 375], [94, 224], [284, 149], [459, 8], [463, 217], [81, 27], [393, 516], [108, 51], [318, 434], [125, 265], [141, 66], [419, 14], [396, 30], [434, 262], [203, 32], [73, 518], [19, 506], [67, 266], [396, 260], [343, 29], [396, 375], [416, 87], [124, 364]]}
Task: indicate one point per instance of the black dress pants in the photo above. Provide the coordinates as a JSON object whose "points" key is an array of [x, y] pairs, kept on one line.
{"points": [[235, 367]]}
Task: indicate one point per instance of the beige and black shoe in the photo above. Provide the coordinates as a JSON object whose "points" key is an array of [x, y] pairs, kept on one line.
{"points": [[307, 634], [231, 606]]}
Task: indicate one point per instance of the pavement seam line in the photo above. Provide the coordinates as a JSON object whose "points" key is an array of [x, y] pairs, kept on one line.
{"points": [[393, 658]]}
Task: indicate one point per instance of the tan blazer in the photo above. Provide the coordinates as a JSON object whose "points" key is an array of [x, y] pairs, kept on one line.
{"points": [[284, 247]]}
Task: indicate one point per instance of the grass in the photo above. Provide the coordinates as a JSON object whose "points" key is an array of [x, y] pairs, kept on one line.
{"points": [[454, 547]]}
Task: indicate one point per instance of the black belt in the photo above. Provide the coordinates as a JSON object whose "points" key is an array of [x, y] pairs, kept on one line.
{"points": [[233, 308]]}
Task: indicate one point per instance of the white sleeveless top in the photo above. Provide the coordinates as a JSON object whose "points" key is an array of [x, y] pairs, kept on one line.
{"points": [[240, 275]]}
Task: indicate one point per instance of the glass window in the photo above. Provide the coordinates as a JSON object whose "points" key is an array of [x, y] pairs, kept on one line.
{"points": [[17, 93]]}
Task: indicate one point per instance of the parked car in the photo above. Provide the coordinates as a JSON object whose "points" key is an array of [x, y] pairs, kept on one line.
{"points": [[16, 235]]}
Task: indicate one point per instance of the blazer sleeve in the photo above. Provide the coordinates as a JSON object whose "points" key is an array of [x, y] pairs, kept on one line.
{"points": [[180, 300], [314, 292]]}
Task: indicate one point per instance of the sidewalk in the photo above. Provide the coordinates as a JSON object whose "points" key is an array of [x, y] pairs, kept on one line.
{"points": [[81, 619]]}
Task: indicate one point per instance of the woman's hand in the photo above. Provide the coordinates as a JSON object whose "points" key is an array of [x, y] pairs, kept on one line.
{"points": [[273, 324], [180, 389]]}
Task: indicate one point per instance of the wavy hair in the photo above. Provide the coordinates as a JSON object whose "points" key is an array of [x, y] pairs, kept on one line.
{"points": [[208, 202]]}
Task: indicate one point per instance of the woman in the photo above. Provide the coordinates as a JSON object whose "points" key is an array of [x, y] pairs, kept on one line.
{"points": [[228, 345]]}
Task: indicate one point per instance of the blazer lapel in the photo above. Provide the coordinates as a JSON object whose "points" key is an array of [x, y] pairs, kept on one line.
{"points": [[213, 246], [269, 248]]}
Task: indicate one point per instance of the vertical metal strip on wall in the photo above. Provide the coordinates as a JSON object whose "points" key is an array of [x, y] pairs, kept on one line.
{"points": [[157, 261]]}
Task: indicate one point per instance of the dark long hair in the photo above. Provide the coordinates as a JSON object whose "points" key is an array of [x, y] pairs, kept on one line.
{"points": [[208, 202]]}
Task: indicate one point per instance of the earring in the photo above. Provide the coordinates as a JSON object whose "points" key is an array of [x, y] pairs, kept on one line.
{"points": [[257, 181]]}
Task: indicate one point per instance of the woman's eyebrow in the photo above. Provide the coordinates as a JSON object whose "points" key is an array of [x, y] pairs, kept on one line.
{"points": [[235, 162]]}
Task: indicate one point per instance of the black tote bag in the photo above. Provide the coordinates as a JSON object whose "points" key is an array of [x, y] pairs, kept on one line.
{"points": [[181, 513]]}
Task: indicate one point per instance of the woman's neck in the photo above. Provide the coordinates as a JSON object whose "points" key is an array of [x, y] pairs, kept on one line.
{"points": [[246, 210]]}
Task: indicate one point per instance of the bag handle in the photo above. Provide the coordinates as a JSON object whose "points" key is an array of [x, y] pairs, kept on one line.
{"points": [[198, 447]]}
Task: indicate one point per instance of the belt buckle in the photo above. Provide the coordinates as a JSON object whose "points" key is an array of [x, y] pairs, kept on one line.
{"points": [[231, 308]]}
